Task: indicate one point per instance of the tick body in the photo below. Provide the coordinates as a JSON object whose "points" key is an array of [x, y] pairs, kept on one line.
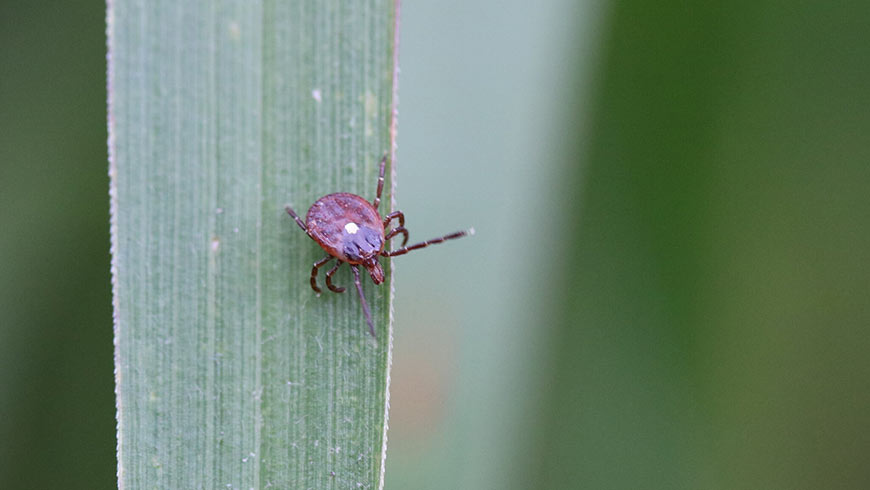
{"points": [[350, 229]]}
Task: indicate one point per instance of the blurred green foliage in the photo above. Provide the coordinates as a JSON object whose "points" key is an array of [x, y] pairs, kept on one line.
{"points": [[669, 285], [715, 334], [57, 427]]}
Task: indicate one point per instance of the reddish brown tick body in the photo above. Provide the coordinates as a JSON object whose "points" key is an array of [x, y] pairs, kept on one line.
{"points": [[351, 230]]}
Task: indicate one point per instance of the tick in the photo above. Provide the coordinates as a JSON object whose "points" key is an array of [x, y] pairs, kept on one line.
{"points": [[351, 230]]}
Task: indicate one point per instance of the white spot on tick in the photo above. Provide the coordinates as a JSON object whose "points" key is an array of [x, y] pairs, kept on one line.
{"points": [[351, 228], [317, 94], [215, 244]]}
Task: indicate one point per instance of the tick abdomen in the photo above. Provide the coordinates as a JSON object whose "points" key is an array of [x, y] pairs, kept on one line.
{"points": [[346, 226]]}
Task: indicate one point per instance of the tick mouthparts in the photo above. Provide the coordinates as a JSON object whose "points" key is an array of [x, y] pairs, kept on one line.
{"points": [[376, 271]]}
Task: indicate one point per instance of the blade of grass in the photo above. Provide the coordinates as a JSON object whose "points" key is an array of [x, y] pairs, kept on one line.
{"points": [[230, 371]]}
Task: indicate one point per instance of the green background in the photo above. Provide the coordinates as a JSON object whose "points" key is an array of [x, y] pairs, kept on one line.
{"points": [[669, 285]]}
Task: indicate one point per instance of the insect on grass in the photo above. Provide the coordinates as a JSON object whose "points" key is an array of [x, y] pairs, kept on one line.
{"points": [[350, 229]]}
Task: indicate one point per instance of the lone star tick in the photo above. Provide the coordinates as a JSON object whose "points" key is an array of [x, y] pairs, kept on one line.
{"points": [[351, 230]]}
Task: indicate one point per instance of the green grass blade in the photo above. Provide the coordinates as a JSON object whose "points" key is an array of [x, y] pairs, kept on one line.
{"points": [[230, 371]]}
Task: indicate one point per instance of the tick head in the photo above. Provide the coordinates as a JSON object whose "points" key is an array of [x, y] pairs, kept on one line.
{"points": [[375, 270]]}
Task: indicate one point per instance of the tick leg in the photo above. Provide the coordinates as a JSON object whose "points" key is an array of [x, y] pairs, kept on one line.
{"points": [[395, 231], [404, 250], [377, 200], [399, 229], [362, 299], [392, 216], [334, 289], [298, 221], [318, 265]]}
